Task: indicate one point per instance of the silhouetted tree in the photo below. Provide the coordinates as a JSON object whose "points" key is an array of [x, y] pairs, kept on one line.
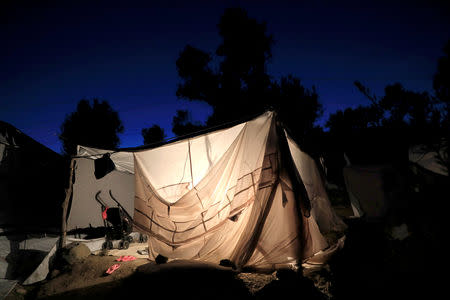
{"points": [[183, 125], [199, 81], [344, 121], [96, 125], [441, 85], [401, 108], [349, 134], [298, 107], [153, 134], [441, 80], [239, 86], [399, 119]]}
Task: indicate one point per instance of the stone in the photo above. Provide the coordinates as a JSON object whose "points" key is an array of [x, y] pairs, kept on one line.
{"points": [[75, 253], [54, 273], [21, 291], [160, 259]]}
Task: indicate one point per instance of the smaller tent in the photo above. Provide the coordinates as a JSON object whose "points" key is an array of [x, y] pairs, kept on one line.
{"points": [[84, 211], [31, 183], [31, 193], [429, 175], [427, 159], [378, 190], [367, 188]]}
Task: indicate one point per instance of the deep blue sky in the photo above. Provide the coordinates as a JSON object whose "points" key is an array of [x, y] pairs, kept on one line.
{"points": [[53, 55]]}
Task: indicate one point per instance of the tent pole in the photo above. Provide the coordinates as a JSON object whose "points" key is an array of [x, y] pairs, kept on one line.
{"points": [[62, 241]]}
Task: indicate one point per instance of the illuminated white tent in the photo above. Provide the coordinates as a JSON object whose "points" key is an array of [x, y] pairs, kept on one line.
{"points": [[246, 193]]}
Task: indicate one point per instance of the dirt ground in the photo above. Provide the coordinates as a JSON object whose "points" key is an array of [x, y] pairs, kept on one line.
{"points": [[371, 265], [88, 280]]}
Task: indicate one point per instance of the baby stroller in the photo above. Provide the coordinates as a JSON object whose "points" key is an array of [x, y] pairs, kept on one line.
{"points": [[118, 223]]}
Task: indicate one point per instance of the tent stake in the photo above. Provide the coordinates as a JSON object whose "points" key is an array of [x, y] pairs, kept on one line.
{"points": [[62, 241]]}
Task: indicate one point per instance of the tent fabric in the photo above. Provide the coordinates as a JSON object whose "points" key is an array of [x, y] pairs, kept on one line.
{"points": [[366, 187], [123, 160], [31, 185], [327, 218], [84, 210], [229, 195], [427, 159], [245, 193]]}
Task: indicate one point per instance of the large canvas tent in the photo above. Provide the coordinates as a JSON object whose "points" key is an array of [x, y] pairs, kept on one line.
{"points": [[246, 193]]}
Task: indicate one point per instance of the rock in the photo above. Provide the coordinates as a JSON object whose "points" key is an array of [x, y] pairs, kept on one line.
{"points": [[75, 253], [54, 273], [21, 291], [400, 232], [228, 263], [160, 259], [287, 275]]}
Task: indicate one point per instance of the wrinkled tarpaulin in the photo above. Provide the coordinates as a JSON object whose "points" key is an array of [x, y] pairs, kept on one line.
{"points": [[232, 194]]}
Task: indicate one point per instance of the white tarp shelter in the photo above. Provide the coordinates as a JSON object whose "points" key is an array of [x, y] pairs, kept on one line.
{"points": [[85, 211], [246, 193], [366, 190], [31, 183], [428, 159], [31, 193], [373, 189]]}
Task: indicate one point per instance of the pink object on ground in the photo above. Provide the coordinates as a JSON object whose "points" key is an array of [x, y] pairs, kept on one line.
{"points": [[112, 269], [126, 258]]}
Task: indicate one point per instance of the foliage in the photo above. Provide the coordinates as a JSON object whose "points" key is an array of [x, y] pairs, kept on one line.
{"points": [[441, 80], [235, 82], [96, 125], [182, 124], [153, 134], [403, 117], [343, 121], [441, 85], [398, 108]]}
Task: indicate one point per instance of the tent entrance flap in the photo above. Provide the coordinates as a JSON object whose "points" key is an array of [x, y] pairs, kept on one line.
{"points": [[103, 166]]}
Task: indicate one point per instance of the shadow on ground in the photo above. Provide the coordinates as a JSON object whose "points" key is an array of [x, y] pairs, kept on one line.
{"points": [[370, 266], [373, 266]]}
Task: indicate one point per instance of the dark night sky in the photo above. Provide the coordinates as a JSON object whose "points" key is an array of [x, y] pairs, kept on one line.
{"points": [[124, 52]]}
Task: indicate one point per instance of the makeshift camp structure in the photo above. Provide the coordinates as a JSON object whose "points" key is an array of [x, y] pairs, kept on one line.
{"points": [[368, 189], [429, 176], [428, 159], [31, 183], [375, 190], [31, 194], [246, 193]]}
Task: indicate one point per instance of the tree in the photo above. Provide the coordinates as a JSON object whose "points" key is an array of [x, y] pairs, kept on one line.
{"points": [[399, 119], [441, 85], [441, 80], [345, 121], [153, 134], [416, 113], [235, 83], [298, 107], [183, 125], [96, 125]]}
